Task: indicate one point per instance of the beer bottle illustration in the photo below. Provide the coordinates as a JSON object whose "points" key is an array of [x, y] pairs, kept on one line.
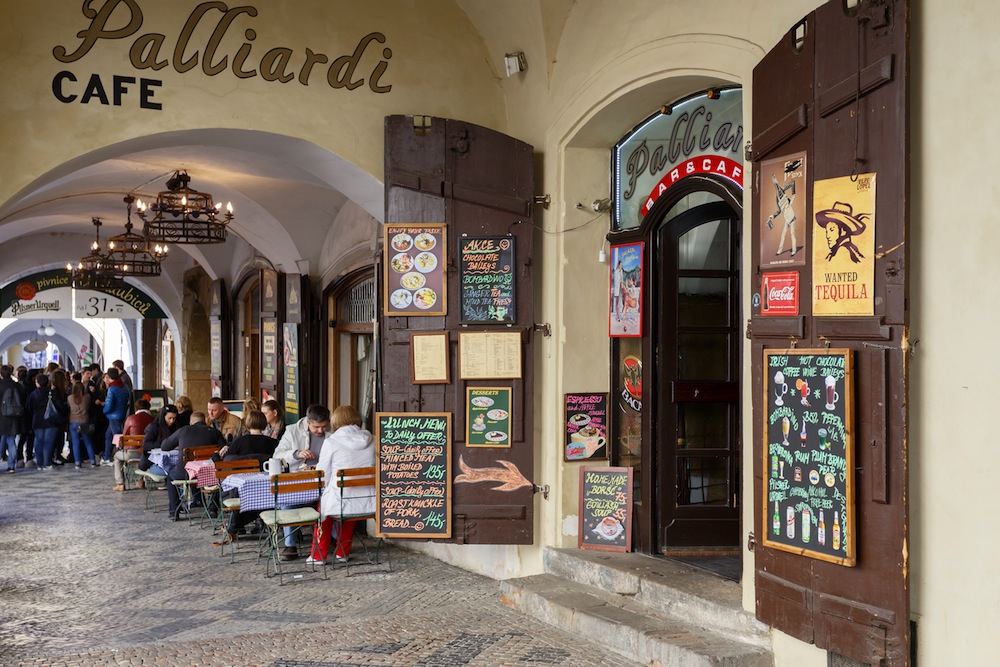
{"points": [[790, 523], [821, 533], [836, 531], [776, 521], [802, 435], [806, 524]]}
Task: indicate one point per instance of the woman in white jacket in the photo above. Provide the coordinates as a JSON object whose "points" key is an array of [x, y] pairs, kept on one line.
{"points": [[349, 446]]}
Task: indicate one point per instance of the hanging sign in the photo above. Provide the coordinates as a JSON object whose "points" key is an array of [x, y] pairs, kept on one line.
{"points": [[415, 262], [486, 278], [808, 502], [843, 249], [50, 295]]}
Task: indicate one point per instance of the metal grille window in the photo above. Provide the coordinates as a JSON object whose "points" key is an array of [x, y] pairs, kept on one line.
{"points": [[357, 305]]}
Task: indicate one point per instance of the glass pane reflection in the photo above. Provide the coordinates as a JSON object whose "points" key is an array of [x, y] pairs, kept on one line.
{"points": [[703, 480], [704, 357], [703, 425], [705, 247], [703, 302]]}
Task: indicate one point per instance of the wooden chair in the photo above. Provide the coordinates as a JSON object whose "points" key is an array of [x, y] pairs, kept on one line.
{"points": [[275, 520], [185, 487], [348, 478], [230, 506], [132, 448]]}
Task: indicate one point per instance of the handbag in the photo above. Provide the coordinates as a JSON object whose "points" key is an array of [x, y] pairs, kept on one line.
{"points": [[51, 413]]}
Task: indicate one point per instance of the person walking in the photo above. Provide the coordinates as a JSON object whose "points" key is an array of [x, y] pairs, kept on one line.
{"points": [[12, 411]]}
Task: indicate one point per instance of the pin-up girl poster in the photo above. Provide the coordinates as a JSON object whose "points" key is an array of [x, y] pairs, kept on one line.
{"points": [[626, 291]]}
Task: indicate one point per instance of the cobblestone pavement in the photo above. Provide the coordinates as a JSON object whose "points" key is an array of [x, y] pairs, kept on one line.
{"points": [[90, 578]]}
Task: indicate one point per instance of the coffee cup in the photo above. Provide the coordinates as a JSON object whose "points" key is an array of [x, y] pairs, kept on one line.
{"points": [[591, 443], [272, 466]]}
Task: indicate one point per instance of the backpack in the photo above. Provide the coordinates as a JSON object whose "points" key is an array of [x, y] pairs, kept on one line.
{"points": [[11, 404]]}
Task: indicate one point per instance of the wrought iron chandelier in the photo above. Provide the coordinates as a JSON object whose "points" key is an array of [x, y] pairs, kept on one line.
{"points": [[94, 267], [131, 254], [181, 214]]}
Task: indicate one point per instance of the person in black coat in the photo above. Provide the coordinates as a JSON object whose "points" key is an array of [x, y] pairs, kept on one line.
{"points": [[253, 445], [12, 427], [195, 434], [159, 430], [46, 427]]}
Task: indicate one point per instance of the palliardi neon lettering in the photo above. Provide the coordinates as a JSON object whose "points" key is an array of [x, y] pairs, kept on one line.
{"points": [[275, 65]]}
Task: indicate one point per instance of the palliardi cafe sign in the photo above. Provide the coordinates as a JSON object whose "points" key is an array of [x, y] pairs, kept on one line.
{"points": [[121, 21]]}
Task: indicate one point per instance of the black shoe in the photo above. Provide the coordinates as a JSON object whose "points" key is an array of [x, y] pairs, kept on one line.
{"points": [[289, 553]]}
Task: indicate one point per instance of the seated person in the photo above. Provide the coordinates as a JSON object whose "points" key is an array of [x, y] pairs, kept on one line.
{"points": [[254, 445], [159, 430], [135, 424], [195, 434], [350, 446]]}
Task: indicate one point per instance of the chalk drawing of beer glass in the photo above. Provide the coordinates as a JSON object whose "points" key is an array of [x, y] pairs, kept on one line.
{"points": [[780, 388], [832, 397]]}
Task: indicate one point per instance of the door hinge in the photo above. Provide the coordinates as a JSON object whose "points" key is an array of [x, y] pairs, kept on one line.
{"points": [[544, 490], [543, 200], [751, 541], [748, 152], [749, 329], [544, 328]]}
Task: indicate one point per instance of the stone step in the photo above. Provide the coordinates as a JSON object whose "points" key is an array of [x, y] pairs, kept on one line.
{"points": [[668, 587], [621, 624]]}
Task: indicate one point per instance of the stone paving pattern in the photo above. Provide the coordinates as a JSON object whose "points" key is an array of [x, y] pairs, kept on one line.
{"points": [[90, 578]]}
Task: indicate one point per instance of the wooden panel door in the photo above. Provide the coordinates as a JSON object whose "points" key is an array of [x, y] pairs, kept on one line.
{"points": [[479, 183], [835, 88]]}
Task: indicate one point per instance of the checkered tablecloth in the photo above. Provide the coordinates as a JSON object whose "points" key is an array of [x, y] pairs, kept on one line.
{"points": [[203, 471], [166, 460], [255, 492]]}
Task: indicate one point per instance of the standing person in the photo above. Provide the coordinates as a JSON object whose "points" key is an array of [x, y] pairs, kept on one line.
{"points": [[184, 410], [115, 407], [59, 380], [299, 447], [12, 402], [350, 446], [79, 424], [98, 393], [275, 419], [26, 449], [126, 380], [46, 427], [222, 419], [617, 282]]}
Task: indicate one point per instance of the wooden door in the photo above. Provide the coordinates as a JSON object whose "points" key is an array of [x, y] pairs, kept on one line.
{"points": [[479, 183], [835, 89]]}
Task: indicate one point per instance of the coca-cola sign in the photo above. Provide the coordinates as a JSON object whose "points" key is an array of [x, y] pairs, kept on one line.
{"points": [[779, 293]]}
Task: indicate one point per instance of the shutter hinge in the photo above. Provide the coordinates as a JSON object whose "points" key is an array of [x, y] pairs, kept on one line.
{"points": [[748, 151], [749, 330], [544, 489], [543, 200], [544, 328], [751, 541]]}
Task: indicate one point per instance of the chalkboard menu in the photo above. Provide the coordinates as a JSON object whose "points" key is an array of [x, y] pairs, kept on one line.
{"points": [[586, 427], [605, 509], [486, 270], [808, 502], [414, 474], [487, 416]]}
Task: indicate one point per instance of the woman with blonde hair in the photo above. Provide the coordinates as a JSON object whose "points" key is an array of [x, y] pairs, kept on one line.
{"points": [[184, 409], [349, 446]]}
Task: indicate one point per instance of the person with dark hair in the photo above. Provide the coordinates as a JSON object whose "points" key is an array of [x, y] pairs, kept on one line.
{"points": [[275, 419], [45, 423], [126, 380], [196, 434], [79, 424], [26, 447], [162, 428], [115, 407], [97, 391], [12, 425]]}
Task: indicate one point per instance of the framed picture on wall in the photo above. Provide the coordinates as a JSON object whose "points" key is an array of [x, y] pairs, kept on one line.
{"points": [[625, 318]]}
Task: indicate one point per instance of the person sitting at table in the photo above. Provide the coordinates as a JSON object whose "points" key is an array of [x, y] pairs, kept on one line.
{"points": [[254, 445], [196, 434], [249, 405], [221, 418], [275, 418], [161, 429], [299, 447], [135, 424], [350, 446], [184, 409]]}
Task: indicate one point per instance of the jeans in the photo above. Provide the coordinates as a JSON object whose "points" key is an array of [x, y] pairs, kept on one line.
{"points": [[9, 444], [115, 427], [45, 445], [76, 434]]}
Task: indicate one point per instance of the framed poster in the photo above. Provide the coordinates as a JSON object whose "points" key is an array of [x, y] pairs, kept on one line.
{"points": [[486, 280], [487, 416], [808, 502], [269, 352], [293, 298], [605, 509], [586, 427], [843, 257], [290, 356], [215, 348], [269, 291], [413, 462], [625, 320], [429, 359], [484, 355], [779, 294], [783, 228], [416, 256]]}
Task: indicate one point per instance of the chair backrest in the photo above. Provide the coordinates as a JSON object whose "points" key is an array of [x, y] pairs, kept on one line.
{"points": [[131, 442], [291, 482], [347, 477], [224, 469], [199, 453], [352, 478]]}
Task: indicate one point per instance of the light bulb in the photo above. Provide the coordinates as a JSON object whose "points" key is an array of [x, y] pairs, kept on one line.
{"points": [[50, 330]]}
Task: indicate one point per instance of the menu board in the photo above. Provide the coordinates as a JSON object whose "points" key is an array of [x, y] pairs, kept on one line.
{"points": [[605, 509], [486, 277], [586, 427], [489, 354], [215, 348], [269, 352], [290, 355], [808, 502], [415, 262], [414, 474], [487, 415]]}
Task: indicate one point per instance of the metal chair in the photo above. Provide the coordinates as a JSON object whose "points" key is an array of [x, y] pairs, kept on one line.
{"points": [[132, 448], [185, 487], [275, 520], [354, 508], [229, 506], [151, 482]]}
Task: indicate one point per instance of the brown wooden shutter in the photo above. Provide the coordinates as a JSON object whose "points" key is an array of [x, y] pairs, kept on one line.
{"points": [[479, 182], [804, 99]]}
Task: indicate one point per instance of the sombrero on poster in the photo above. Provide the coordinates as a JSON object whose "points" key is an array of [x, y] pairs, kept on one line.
{"points": [[848, 224]]}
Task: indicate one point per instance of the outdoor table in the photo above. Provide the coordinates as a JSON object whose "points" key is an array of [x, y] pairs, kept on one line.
{"points": [[255, 492], [166, 460], [203, 471]]}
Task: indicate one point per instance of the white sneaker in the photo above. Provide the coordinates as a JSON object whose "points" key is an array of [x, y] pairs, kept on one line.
{"points": [[314, 561], [341, 559]]}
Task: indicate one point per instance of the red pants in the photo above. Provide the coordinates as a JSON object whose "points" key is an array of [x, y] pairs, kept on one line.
{"points": [[322, 537]]}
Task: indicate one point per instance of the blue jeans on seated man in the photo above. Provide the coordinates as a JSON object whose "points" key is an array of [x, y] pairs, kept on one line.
{"points": [[115, 427]]}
